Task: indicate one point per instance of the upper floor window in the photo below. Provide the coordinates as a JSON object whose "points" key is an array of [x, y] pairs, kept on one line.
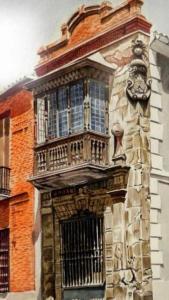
{"points": [[72, 108]]}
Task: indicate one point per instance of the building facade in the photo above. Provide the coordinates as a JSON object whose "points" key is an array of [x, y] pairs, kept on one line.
{"points": [[16, 194], [92, 156], [159, 216], [84, 164]]}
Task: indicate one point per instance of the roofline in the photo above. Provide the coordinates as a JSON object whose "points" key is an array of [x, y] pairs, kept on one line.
{"points": [[66, 68], [14, 88]]}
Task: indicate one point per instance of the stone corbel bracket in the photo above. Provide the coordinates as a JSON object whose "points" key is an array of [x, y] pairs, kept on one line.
{"points": [[138, 85]]}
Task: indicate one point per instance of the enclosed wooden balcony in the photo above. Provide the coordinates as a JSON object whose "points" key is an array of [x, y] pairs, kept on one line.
{"points": [[4, 182], [71, 125]]}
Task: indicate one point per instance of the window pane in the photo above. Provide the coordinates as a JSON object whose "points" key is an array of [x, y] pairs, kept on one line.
{"points": [[76, 95], [62, 111], [97, 96], [40, 120], [52, 116]]}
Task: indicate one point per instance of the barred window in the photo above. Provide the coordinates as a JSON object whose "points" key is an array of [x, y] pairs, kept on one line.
{"points": [[4, 260], [97, 94], [82, 250]]}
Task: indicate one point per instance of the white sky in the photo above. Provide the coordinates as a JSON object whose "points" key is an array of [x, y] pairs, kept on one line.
{"points": [[25, 25]]}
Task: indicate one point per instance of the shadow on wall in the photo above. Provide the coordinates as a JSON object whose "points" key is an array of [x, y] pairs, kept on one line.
{"points": [[163, 62]]}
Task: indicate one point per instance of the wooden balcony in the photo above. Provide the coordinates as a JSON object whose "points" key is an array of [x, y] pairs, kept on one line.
{"points": [[75, 154], [4, 182]]}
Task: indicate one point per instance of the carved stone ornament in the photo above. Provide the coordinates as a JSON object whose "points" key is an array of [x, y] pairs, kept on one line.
{"points": [[117, 131], [138, 86]]}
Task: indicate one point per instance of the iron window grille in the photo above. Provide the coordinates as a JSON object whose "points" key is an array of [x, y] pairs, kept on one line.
{"points": [[82, 251], [4, 260]]}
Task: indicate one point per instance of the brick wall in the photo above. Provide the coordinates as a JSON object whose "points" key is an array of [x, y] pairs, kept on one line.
{"points": [[19, 213]]}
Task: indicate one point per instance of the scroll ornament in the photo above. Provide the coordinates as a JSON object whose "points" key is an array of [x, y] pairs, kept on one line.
{"points": [[138, 86]]}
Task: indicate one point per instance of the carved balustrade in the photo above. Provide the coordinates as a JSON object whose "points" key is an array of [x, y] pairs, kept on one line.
{"points": [[87, 147]]}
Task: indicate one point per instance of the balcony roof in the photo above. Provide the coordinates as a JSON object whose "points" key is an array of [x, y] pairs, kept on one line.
{"points": [[96, 61]]}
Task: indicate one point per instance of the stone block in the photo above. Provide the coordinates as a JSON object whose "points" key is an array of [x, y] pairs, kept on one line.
{"points": [[155, 72], [118, 235], [157, 161], [145, 248], [119, 293], [152, 57], [155, 146], [154, 243], [118, 214], [156, 258], [156, 130], [108, 238], [134, 214], [153, 186], [154, 216], [154, 114], [156, 270], [156, 85], [155, 199], [145, 230], [146, 262], [156, 100], [155, 230]]}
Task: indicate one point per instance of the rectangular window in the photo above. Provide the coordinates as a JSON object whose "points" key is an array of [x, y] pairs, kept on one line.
{"points": [[52, 115], [97, 93], [82, 251], [4, 142], [76, 97], [63, 111], [4, 260], [41, 122]]}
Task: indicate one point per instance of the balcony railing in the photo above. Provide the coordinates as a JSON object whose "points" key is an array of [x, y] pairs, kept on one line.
{"points": [[4, 181], [87, 147]]}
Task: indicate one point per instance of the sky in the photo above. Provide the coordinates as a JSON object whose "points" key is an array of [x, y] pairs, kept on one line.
{"points": [[26, 25]]}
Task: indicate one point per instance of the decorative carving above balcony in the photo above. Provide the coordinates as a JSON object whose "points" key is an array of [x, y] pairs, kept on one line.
{"points": [[69, 73], [139, 86]]}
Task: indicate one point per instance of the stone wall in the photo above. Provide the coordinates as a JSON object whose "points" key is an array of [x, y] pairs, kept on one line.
{"points": [[134, 119]]}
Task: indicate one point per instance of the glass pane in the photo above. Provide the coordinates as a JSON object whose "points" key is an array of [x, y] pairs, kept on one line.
{"points": [[40, 120], [76, 95], [52, 116], [97, 96], [62, 111]]}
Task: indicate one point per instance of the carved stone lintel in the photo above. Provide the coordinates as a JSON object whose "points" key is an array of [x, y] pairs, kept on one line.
{"points": [[138, 85]]}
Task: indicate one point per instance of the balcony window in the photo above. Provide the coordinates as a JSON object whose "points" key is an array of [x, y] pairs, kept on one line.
{"points": [[63, 111], [4, 156], [97, 95], [52, 116], [41, 120], [76, 96], [72, 108]]}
